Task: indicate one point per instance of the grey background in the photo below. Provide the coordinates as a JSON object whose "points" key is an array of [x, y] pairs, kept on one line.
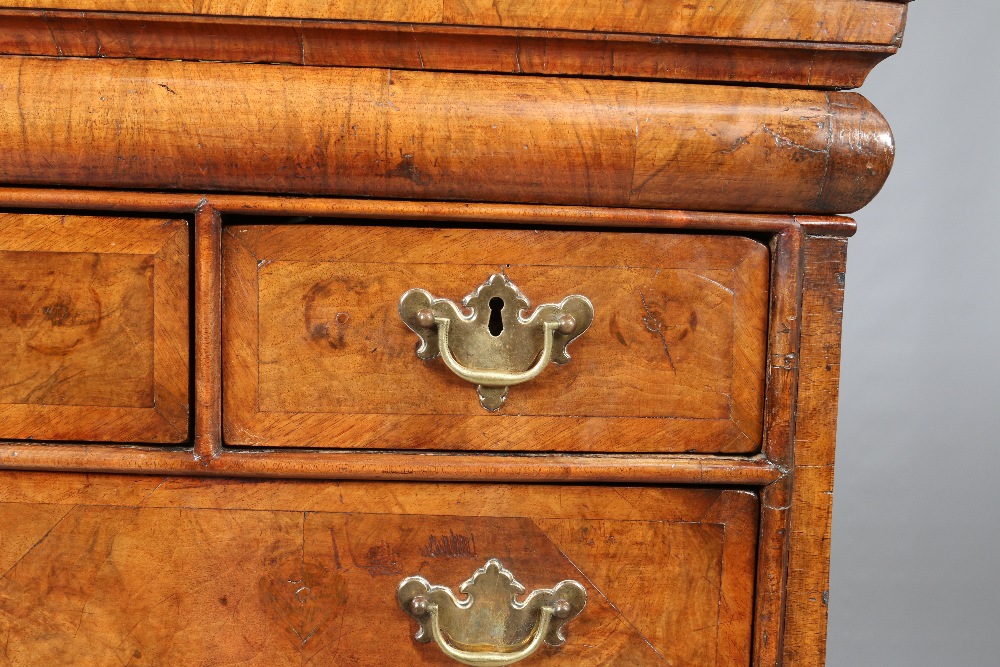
{"points": [[915, 570]]}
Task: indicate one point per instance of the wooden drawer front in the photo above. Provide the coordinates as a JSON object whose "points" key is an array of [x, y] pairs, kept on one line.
{"points": [[93, 329], [316, 355], [213, 572]]}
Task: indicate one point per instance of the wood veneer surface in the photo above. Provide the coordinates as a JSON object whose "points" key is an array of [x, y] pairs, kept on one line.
{"points": [[858, 21], [438, 47], [94, 330], [315, 354], [815, 444], [433, 135], [274, 572], [175, 571]]}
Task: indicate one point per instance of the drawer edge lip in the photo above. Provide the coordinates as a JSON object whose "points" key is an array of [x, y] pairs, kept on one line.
{"points": [[421, 211], [442, 467]]}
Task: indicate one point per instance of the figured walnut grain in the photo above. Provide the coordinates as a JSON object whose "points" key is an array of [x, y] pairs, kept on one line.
{"points": [[437, 47], [315, 353], [285, 572], [95, 332], [815, 444], [394, 134], [853, 21]]}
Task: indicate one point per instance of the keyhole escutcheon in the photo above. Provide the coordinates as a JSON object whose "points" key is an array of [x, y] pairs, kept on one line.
{"points": [[496, 320]]}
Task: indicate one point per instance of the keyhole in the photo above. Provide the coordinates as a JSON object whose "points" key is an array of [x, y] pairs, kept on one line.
{"points": [[496, 321]]}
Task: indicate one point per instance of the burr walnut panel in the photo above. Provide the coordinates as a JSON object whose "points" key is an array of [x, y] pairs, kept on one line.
{"points": [[315, 354], [93, 328], [170, 571]]}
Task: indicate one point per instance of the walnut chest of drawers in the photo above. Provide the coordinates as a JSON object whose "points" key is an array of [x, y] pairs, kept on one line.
{"points": [[425, 333]]}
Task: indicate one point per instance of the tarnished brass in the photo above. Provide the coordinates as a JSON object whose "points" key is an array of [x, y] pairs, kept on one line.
{"points": [[495, 346], [490, 627]]}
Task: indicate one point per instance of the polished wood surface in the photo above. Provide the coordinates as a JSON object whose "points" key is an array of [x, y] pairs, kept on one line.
{"points": [[300, 165], [687, 469], [815, 444], [790, 618], [462, 213], [315, 354], [438, 47], [318, 565], [850, 21], [779, 415], [207, 338], [95, 328], [381, 465], [381, 133]]}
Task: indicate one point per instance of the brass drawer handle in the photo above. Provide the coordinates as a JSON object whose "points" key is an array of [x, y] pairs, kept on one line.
{"points": [[494, 347], [490, 627]]}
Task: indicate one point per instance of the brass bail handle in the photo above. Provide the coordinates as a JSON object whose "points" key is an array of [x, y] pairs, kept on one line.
{"points": [[486, 658], [495, 347], [469, 631]]}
